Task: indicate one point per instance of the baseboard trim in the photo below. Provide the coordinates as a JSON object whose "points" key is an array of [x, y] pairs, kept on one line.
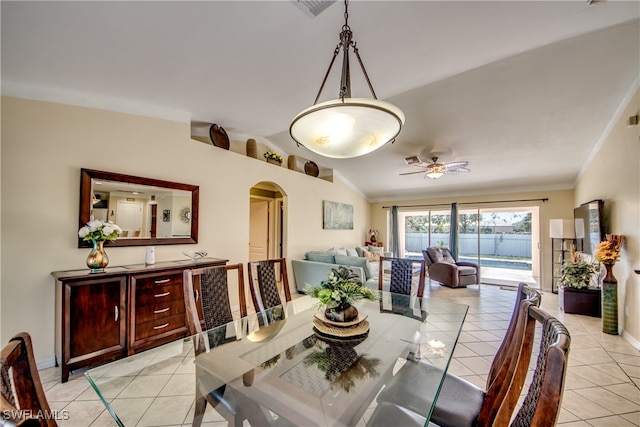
{"points": [[46, 363], [631, 340]]}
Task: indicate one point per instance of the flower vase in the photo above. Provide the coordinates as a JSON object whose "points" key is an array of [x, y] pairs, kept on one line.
{"points": [[97, 259], [609, 302], [341, 313]]}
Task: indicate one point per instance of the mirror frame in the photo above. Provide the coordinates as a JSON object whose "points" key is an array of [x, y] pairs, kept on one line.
{"points": [[86, 175]]}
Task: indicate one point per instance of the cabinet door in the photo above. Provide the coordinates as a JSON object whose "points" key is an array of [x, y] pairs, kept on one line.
{"points": [[96, 317]]}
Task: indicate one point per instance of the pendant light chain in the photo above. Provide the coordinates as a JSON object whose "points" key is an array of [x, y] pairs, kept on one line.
{"points": [[346, 127], [345, 80]]}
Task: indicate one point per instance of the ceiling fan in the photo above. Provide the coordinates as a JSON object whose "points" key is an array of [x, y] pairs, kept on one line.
{"points": [[435, 170]]}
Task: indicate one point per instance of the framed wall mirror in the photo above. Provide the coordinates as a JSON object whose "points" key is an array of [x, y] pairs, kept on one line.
{"points": [[149, 211]]}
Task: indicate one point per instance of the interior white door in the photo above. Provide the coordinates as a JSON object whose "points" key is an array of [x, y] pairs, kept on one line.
{"points": [[129, 217], [258, 230]]}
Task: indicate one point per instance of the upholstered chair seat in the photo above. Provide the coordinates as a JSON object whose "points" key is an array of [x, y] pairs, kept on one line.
{"points": [[443, 268]]}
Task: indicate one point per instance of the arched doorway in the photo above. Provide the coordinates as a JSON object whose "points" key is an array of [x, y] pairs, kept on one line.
{"points": [[267, 221]]}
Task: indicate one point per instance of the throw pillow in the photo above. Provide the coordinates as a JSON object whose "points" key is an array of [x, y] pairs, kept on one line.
{"points": [[339, 251], [319, 256], [375, 249], [355, 261], [352, 252], [372, 256]]}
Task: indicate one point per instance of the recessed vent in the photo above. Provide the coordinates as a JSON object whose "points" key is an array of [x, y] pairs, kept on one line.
{"points": [[413, 160], [313, 8]]}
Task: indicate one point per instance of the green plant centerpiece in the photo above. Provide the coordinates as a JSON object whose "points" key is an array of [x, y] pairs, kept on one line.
{"points": [[339, 292], [576, 273]]}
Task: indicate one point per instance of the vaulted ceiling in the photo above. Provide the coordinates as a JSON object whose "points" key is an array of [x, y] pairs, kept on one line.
{"points": [[524, 91]]}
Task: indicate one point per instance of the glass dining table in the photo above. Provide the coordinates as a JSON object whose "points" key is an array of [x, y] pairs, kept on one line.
{"points": [[284, 366]]}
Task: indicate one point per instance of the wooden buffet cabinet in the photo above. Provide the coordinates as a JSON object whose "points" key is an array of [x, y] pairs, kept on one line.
{"points": [[127, 309]]}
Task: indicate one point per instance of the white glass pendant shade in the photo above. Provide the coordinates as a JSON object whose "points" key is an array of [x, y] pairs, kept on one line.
{"points": [[347, 128], [434, 175]]}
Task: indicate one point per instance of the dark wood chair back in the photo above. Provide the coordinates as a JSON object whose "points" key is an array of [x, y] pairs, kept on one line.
{"points": [[22, 398], [505, 379], [263, 283], [401, 272], [541, 406], [206, 291]]}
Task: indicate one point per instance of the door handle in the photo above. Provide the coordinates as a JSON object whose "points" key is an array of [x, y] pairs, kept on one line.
{"points": [[116, 313]]}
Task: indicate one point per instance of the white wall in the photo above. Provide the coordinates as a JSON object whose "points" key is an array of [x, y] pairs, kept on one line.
{"points": [[44, 145], [614, 176]]}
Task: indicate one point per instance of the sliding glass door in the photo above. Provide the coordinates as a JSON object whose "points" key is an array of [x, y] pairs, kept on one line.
{"points": [[504, 241], [421, 229]]}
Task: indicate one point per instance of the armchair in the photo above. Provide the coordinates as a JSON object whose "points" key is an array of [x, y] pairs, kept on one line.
{"points": [[443, 268]]}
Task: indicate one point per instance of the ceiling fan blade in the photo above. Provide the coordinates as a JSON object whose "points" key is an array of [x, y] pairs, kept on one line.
{"points": [[457, 171], [455, 165], [411, 173]]}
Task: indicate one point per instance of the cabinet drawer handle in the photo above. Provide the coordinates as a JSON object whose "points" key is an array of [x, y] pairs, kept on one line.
{"points": [[197, 294], [116, 313], [162, 310], [157, 282], [164, 294], [161, 326]]}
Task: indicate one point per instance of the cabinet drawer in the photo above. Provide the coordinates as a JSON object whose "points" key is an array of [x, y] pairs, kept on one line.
{"points": [[159, 326], [150, 282], [159, 294], [153, 312]]}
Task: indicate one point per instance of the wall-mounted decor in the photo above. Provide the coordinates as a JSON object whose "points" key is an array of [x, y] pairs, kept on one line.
{"points": [[145, 224], [185, 214], [337, 216]]}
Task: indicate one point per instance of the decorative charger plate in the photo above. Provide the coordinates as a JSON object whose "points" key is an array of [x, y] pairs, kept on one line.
{"points": [[219, 136], [361, 318], [310, 168], [359, 330]]}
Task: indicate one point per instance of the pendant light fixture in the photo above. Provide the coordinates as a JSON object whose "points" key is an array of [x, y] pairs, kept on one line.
{"points": [[346, 127]]}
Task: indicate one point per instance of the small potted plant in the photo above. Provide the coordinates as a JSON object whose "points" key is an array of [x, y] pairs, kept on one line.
{"points": [[339, 292], [273, 157], [577, 297], [576, 274]]}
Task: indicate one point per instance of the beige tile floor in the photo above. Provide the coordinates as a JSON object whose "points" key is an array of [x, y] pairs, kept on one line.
{"points": [[602, 387]]}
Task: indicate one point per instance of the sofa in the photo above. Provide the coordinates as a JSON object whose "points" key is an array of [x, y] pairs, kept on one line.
{"points": [[318, 264]]}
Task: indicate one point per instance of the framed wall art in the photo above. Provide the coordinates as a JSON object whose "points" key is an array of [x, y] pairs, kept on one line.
{"points": [[337, 216]]}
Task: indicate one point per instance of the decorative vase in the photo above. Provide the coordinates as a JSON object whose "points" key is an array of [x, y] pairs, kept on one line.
{"points": [[252, 148], [291, 162], [609, 302], [341, 313], [373, 239], [97, 259], [274, 162]]}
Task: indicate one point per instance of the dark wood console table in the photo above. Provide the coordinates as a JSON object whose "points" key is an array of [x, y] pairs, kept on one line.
{"points": [[127, 309]]}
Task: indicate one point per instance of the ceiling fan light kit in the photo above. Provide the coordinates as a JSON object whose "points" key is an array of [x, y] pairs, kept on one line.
{"points": [[435, 169], [346, 127]]}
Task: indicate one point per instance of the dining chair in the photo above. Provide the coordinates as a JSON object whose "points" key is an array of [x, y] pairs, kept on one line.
{"points": [[214, 302], [263, 283], [400, 273], [461, 403], [541, 405], [22, 398]]}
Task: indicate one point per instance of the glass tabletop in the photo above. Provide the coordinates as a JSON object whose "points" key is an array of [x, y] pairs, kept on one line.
{"points": [[285, 365]]}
